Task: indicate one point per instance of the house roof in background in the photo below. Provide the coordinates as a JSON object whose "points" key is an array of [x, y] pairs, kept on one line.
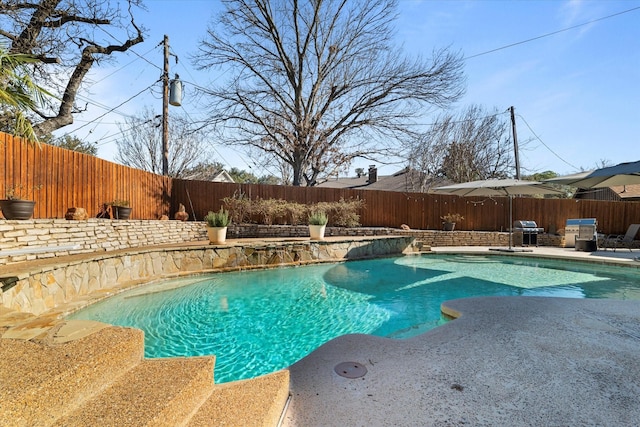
{"points": [[627, 191], [348, 182], [210, 174], [222, 176], [630, 192], [405, 180]]}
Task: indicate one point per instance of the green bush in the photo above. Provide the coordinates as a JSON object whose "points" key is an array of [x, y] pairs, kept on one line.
{"points": [[318, 218], [217, 219]]}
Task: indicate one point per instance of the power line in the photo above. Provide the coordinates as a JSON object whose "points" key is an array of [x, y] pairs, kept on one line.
{"points": [[99, 105], [125, 65], [117, 106], [103, 123], [545, 145], [115, 136], [553, 33]]}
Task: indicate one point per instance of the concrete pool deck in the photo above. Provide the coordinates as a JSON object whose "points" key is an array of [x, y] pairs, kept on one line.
{"points": [[517, 361]]}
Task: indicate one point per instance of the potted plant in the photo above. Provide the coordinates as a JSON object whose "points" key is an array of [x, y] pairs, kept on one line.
{"points": [[121, 209], [449, 221], [15, 205], [217, 223], [317, 225]]}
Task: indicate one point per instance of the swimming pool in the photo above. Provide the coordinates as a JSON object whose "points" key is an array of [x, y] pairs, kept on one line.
{"points": [[257, 322]]}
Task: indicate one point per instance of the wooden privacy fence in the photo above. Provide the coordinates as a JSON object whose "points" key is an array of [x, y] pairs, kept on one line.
{"points": [[71, 179]]}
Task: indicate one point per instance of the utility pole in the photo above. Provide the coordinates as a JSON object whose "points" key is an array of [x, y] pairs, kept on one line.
{"points": [[165, 109], [515, 141]]}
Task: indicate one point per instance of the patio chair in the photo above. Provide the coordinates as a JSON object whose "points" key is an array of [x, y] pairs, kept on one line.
{"points": [[626, 240]]}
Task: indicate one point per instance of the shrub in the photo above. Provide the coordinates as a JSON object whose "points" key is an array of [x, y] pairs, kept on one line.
{"points": [[452, 217], [318, 218], [345, 212], [119, 203], [239, 207], [271, 210], [295, 212], [217, 219], [20, 191]]}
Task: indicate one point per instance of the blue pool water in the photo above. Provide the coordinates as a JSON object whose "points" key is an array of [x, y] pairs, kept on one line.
{"points": [[257, 322]]}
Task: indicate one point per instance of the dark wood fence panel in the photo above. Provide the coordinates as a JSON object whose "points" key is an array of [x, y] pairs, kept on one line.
{"points": [[71, 179]]}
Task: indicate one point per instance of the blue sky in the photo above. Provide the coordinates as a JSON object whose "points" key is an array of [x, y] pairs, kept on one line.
{"points": [[576, 93]]}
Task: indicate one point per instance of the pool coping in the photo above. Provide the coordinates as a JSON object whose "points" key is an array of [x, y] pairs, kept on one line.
{"points": [[624, 258], [60, 285]]}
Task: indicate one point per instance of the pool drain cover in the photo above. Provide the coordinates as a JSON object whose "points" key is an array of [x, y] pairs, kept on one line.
{"points": [[350, 370]]}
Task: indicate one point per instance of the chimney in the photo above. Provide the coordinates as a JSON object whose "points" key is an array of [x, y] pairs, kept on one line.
{"points": [[373, 174]]}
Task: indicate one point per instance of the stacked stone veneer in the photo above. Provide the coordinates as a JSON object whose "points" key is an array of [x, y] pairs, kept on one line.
{"points": [[46, 238], [80, 279]]}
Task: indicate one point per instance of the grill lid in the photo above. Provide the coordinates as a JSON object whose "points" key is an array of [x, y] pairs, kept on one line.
{"points": [[522, 223], [582, 221]]}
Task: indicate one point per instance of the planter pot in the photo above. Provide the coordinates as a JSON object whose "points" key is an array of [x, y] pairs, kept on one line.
{"points": [[316, 232], [449, 226], [121, 212], [17, 209], [217, 235]]}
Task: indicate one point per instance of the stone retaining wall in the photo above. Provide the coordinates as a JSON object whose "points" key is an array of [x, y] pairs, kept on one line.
{"points": [[41, 286], [438, 238], [46, 238]]}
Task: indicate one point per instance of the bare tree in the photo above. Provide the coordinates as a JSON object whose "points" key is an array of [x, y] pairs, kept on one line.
{"points": [[141, 144], [426, 156], [474, 144], [316, 84], [68, 37]]}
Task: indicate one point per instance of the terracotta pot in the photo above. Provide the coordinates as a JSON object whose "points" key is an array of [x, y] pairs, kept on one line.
{"points": [[17, 209], [217, 235], [316, 232]]}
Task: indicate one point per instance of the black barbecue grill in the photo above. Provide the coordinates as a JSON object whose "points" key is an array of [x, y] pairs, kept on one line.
{"points": [[529, 231]]}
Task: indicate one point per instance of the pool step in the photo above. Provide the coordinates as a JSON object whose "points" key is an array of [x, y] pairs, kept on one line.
{"points": [[82, 373], [157, 392], [42, 381], [256, 402]]}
